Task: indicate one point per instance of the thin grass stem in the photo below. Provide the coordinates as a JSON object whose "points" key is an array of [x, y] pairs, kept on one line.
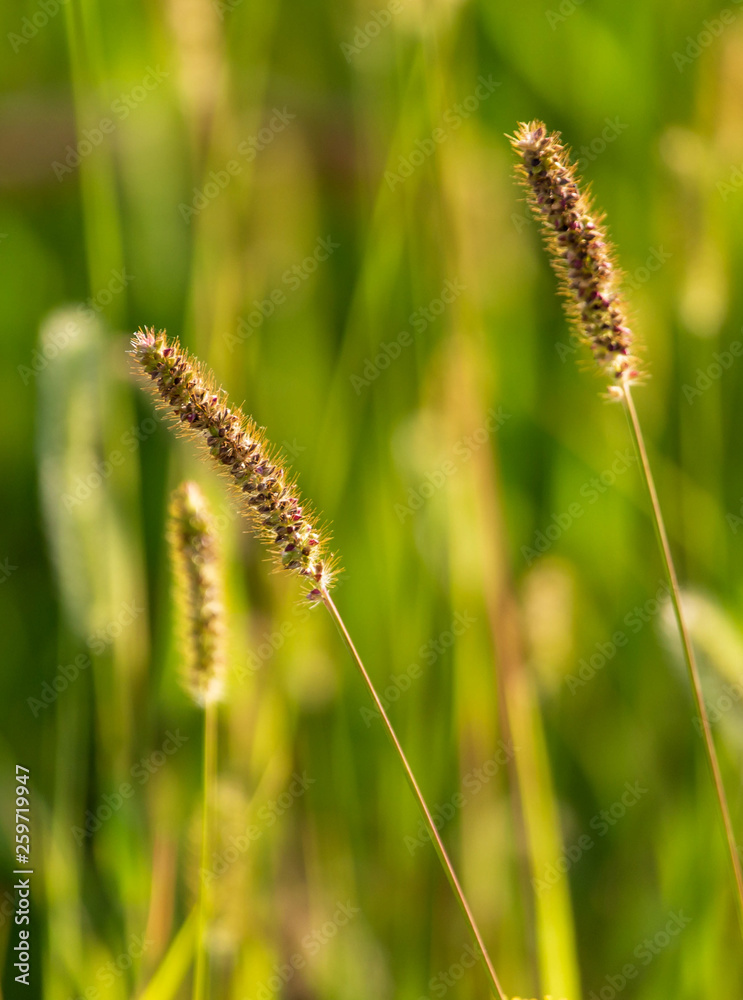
{"points": [[428, 818], [689, 657], [201, 976]]}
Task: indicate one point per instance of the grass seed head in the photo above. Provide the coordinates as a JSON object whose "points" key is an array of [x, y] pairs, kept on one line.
{"points": [[578, 246], [269, 497]]}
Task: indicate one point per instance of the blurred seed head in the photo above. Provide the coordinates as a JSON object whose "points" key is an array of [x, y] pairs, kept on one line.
{"points": [[69, 431], [193, 544], [270, 499], [579, 249]]}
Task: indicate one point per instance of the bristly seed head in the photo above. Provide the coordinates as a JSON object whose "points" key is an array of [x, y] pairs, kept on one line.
{"points": [[269, 498], [578, 246], [194, 549]]}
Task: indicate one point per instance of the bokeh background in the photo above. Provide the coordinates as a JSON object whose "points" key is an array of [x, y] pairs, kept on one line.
{"points": [[318, 199]]}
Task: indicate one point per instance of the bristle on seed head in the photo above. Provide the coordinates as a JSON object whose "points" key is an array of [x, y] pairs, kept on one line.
{"points": [[270, 500], [579, 249], [194, 549]]}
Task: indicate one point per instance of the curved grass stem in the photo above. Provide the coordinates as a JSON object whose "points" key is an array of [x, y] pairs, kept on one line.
{"points": [[201, 975], [427, 817], [665, 550]]}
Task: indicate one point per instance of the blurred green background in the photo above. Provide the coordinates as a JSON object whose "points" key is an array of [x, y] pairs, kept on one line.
{"points": [[318, 199]]}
